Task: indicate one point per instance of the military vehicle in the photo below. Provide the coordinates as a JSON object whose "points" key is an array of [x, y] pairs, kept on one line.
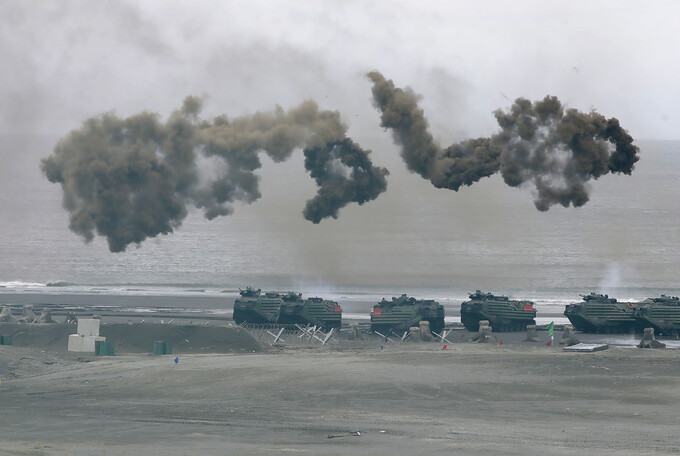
{"points": [[255, 307], [313, 311], [503, 314], [662, 314], [404, 312], [602, 314]]}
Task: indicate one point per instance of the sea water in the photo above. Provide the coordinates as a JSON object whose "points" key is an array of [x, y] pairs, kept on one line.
{"points": [[415, 239]]}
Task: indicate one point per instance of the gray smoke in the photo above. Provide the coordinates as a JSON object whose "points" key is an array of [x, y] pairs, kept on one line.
{"points": [[130, 179], [557, 150]]}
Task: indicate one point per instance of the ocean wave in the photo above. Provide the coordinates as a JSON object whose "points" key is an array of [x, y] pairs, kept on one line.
{"points": [[61, 283], [20, 284]]}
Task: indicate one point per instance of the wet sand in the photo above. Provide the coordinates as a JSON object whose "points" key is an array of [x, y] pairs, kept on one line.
{"points": [[515, 398]]}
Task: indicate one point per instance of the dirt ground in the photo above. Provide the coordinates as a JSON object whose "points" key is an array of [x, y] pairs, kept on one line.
{"points": [[410, 398]]}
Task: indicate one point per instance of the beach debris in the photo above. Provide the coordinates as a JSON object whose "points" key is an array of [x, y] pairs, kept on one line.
{"points": [[27, 316], [346, 434], [568, 337], [6, 314], [586, 348], [531, 334], [354, 332], [649, 341], [46, 316]]}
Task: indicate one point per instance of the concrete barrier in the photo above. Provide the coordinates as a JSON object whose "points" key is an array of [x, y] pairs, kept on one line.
{"points": [[649, 341], [88, 326], [425, 333], [6, 314], [85, 344], [27, 316], [354, 332], [568, 337], [531, 334], [45, 316]]}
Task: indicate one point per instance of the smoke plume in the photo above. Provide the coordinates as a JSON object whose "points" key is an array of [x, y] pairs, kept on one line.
{"points": [[134, 178], [557, 150]]}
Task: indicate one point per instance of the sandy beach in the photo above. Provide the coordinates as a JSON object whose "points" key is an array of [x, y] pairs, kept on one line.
{"points": [[240, 397]]}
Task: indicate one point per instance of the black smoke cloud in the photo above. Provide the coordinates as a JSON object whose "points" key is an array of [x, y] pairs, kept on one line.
{"points": [[557, 150], [343, 172], [134, 178]]}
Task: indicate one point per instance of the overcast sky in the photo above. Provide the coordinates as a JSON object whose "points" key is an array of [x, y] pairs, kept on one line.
{"points": [[64, 61]]}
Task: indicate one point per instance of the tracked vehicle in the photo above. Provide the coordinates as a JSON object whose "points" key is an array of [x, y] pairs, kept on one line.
{"points": [[311, 311], [662, 314], [503, 314], [257, 308], [602, 314], [400, 314]]}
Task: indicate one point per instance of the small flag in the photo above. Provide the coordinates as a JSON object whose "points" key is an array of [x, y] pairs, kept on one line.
{"points": [[500, 341], [444, 347], [549, 344], [551, 328], [176, 359], [381, 347]]}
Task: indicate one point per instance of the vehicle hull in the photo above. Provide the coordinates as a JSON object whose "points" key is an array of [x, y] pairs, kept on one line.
{"points": [[502, 313], [402, 313]]}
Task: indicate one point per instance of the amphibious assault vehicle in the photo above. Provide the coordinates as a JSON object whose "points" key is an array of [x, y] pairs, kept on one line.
{"points": [[602, 314], [662, 314], [313, 311], [275, 308], [403, 312], [503, 314]]}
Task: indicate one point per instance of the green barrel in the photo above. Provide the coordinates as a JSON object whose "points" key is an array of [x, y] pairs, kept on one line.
{"points": [[168, 349], [5, 340], [103, 348], [159, 348]]}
